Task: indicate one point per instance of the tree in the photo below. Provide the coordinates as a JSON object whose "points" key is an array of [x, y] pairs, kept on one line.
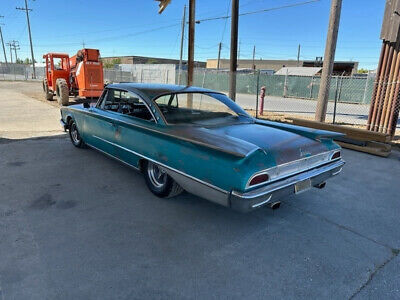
{"points": [[112, 63], [152, 61], [362, 71]]}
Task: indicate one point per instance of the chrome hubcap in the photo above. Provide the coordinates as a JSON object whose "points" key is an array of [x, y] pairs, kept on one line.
{"points": [[74, 134], [157, 176]]}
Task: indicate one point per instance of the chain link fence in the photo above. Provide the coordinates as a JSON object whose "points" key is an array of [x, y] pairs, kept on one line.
{"points": [[20, 72], [296, 96], [285, 95]]}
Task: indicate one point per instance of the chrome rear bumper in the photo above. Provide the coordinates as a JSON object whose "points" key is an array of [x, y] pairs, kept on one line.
{"points": [[270, 193]]}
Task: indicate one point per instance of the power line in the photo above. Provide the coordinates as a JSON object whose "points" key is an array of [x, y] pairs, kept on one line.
{"points": [[259, 11], [226, 20]]}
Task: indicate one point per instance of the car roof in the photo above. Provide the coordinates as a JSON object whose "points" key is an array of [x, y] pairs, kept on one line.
{"points": [[153, 90]]}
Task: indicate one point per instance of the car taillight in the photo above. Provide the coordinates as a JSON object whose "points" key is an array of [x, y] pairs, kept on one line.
{"points": [[259, 179], [336, 155]]}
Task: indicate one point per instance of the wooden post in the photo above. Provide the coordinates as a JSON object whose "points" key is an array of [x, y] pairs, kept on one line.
{"points": [[329, 58]]}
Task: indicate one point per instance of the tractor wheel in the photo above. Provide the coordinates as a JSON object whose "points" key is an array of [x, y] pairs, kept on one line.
{"points": [[47, 93], [62, 92]]}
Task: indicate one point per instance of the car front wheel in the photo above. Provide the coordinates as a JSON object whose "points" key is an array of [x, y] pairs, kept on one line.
{"points": [[159, 182], [74, 135]]}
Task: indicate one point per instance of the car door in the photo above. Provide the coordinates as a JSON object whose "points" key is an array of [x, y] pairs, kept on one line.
{"points": [[133, 129], [100, 127]]}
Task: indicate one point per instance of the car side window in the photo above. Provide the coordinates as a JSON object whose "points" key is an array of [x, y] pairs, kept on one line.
{"points": [[126, 103], [101, 99]]}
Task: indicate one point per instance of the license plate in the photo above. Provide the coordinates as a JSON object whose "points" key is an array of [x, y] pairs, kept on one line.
{"points": [[302, 186]]}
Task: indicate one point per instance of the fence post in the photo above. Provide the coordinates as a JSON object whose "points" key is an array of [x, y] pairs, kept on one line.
{"points": [[365, 89], [258, 86], [336, 99], [285, 84], [166, 76], [311, 86], [339, 92], [141, 76], [204, 78]]}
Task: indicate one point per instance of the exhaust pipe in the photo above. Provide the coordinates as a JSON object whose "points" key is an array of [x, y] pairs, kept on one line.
{"points": [[275, 205], [321, 185]]}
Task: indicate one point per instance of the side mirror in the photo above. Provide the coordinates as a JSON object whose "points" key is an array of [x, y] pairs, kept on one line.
{"points": [[86, 105]]}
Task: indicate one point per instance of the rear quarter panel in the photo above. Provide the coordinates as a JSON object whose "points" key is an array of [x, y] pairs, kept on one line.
{"points": [[220, 169]]}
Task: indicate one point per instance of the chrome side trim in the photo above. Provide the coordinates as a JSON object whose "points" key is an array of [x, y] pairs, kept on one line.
{"points": [[113, 157], [163, 165], [199, 189]]}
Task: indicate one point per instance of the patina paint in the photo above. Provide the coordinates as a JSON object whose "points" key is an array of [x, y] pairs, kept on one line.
{"points": [[224, 156]]}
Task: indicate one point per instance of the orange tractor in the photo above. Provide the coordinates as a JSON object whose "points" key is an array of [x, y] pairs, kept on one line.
{"points": [[81, 75]]}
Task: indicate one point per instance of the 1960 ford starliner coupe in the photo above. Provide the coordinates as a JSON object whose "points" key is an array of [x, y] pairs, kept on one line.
{"points": [[201, 141]]}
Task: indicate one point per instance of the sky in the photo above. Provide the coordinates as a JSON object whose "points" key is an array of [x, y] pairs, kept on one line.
{"points": [[123, 27]]}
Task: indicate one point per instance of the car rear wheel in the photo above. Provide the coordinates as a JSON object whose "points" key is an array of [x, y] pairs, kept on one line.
{"points": [[74, 135], [159, 182]]}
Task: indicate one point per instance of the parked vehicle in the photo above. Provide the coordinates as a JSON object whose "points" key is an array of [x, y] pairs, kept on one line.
{"points": [[81, 75], [201, 141]]}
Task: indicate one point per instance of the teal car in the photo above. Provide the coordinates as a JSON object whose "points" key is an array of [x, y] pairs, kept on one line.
{"points": [[198, 140]]}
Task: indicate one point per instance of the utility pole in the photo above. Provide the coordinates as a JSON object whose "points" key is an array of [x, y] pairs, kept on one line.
{"points": [[15, 46], [182, 40], [4, 48], [234, 48], [27, 10], [329, 58], [2, 42], [219, 55], [192, 12], [298, 56], [10, 45], [254, 57]]}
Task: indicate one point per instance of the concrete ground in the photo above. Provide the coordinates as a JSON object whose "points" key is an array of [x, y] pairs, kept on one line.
{"points": [[75, 224]]}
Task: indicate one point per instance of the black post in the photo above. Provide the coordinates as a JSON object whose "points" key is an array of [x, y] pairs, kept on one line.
{"points": [[258, 87], [234, 48], [336, 97]]}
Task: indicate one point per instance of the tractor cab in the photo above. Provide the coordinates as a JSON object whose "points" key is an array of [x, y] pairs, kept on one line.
{"points": [[57, 66]]}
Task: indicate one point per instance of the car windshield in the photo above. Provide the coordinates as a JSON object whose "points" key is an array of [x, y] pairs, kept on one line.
{"points": [[199, 108]]}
